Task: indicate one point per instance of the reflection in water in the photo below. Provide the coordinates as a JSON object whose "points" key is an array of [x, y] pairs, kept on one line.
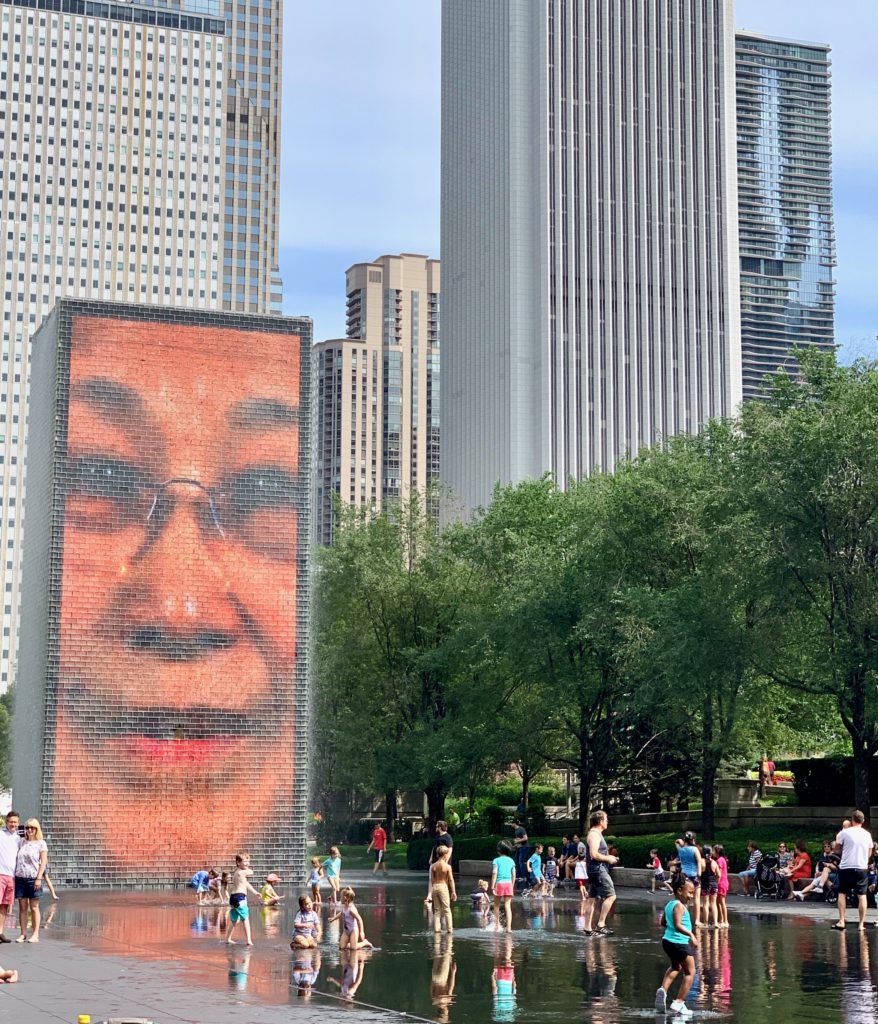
{"points": [[442, 976], [791, 970], [305, 971], [859, 999], [503, 986], [239, 968], [599, 979], [353, 970]]}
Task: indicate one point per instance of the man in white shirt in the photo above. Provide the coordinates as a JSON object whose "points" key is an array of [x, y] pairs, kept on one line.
{"points": [[855, 845], [10, 841]]}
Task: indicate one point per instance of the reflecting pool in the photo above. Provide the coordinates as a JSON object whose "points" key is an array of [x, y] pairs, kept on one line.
{"points": [[790, 968]]}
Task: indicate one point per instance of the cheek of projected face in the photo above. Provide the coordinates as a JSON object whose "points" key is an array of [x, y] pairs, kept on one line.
{"points": [[179, 591]]}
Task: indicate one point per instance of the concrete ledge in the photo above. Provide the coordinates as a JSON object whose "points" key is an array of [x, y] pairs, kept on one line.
{"points": [[624, 878]]}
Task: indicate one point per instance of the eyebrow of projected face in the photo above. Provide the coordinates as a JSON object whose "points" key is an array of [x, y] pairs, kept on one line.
{"points": [[121, 405]]}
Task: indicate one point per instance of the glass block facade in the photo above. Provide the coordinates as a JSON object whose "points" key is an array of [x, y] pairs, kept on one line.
{"points": [[786, 228], [164, 645]]}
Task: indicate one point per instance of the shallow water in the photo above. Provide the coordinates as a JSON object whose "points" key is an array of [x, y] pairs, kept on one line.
{"points": [[764, 968]]}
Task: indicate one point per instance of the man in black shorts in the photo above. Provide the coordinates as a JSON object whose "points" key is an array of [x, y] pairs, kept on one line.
{"points": [[599, 861], [855, 846]]}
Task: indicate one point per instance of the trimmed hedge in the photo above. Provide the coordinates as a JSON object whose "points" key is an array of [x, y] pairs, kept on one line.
{"points": [[633, 850], [829, 781]]}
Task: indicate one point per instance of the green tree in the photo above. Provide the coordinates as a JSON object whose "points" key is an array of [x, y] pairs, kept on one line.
{"points": [[389, 594], [810, 465]]}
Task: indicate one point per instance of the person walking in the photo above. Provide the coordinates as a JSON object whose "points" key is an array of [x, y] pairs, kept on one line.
{"points": [[30, 867], [379, 845], [598, 863], [678, 942], [855, 845], [10, 841], [522, 850]]}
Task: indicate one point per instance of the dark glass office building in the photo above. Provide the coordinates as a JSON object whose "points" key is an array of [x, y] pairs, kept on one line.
{"points": [[787, 237]]}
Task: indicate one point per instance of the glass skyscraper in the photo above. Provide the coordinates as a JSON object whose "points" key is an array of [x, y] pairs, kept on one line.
{"points": [[786, 228]]}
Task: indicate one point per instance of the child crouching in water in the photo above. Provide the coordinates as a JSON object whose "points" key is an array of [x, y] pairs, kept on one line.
{"points": [[481, 901], [353, 934], [307, 929], [267, 893]]}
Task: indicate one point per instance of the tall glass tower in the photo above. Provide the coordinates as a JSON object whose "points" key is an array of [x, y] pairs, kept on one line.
{"points": [[786, 228]]}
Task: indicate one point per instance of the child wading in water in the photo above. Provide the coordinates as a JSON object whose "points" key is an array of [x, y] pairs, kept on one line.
{"points": [[442, 890], [677, 942], [238, 898], [332, 870], [353, 934], [723, 888], [503, 883], [314, 880]]}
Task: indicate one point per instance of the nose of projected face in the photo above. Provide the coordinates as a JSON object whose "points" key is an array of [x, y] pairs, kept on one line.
{"points": [[180, 605]]}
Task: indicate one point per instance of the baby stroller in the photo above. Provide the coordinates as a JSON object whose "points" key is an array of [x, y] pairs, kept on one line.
{"points": [[769, 881]]}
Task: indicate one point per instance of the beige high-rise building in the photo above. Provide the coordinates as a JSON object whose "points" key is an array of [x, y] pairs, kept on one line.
{"points": [[377, 430], [140, 151]]}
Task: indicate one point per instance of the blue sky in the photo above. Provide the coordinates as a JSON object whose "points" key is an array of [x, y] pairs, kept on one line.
{"points": [[360, 153]]}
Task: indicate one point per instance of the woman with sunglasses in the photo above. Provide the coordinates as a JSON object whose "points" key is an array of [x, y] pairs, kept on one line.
{"points": [[30, 868]]}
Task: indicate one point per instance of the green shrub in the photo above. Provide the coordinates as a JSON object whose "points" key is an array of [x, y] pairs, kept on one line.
{"points": [[494, 816], [633, 850]]}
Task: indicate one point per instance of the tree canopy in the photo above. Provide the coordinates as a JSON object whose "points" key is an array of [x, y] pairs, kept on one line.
{"points": [[647, 628]]}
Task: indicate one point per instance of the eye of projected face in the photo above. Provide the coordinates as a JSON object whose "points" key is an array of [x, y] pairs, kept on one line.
{"points": [[105, 494], [258, 505], [255, 507]]}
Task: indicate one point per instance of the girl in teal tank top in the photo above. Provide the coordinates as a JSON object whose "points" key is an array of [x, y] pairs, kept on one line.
{"points": [[677, 941]]}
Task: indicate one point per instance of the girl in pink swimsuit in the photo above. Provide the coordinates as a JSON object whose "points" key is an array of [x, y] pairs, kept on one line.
{"points": [[353, 934]]}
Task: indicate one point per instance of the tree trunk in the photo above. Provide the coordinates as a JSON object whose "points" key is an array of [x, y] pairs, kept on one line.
{"points": [[390, 814], [858, 727], [435, 795], [708, 770], [862, 762], [708, 798], [585, 783], [525, 789]]}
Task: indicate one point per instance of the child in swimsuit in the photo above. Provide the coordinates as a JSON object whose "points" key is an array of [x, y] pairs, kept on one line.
{"points": [[306, 926], [267, 893], [314, 880], [240, 912], [353, 934], [332, 870]]}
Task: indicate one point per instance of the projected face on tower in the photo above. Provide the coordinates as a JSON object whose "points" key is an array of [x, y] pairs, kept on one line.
{"points": [[175, 721]]}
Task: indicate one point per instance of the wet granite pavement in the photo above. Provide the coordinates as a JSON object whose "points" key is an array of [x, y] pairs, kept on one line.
{"points": [[156, 956]]}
